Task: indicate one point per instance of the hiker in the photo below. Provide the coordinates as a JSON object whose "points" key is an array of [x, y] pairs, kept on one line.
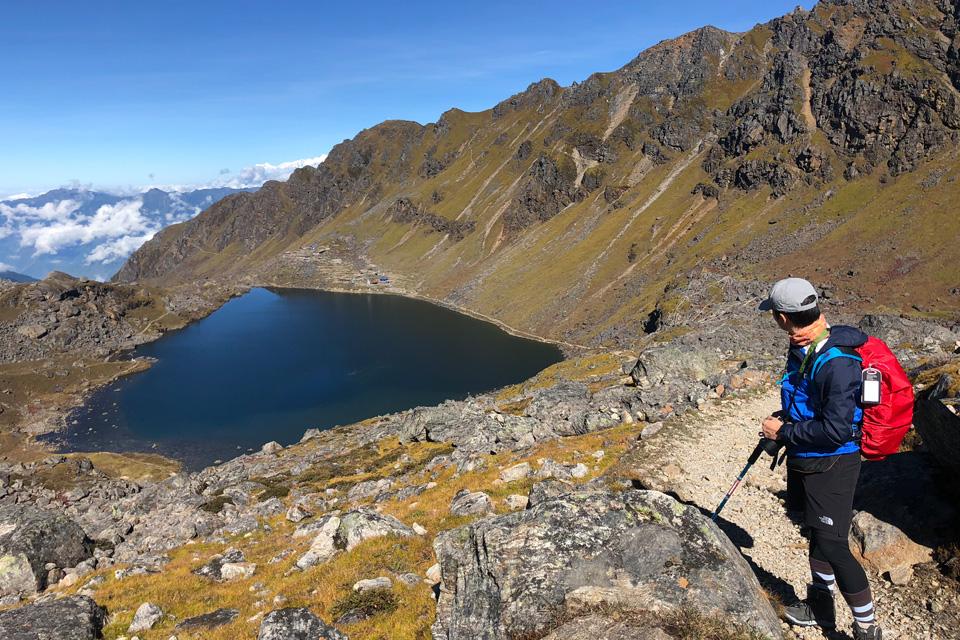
{"points": [[819, 426]]}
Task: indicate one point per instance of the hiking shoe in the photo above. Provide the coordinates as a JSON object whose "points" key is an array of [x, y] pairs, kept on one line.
{"points": [[870, 633], [816, 610]]}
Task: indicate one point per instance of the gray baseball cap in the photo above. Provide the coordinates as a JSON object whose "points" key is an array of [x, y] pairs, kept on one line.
{"points": [[791, 295]]}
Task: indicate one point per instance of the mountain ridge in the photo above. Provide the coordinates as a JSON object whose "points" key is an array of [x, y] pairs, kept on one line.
{"points": [[570, 212]]}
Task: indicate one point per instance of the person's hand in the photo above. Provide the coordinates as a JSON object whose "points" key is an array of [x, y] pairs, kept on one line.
{"points": [[771, 427]]}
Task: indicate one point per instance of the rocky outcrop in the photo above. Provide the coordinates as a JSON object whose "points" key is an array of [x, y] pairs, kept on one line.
{"points": [[75, 618], [854, 75], [583, 551], [31, 542], [405, 211], [475, 426], [296, 624], [550, 186], [65, 314]]}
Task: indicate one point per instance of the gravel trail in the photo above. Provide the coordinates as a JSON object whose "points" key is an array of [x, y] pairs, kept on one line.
{"points": [[699, 456]]}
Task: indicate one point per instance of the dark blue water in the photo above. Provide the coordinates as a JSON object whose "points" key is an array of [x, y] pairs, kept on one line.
{"points": [[272, 363]]}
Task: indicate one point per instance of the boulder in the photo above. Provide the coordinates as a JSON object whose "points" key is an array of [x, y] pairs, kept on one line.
{"points": [[32, 331], [344, 532], [297, 513], [296, 624], [364, 524], [368, 489], [147, 615], [674, 363], [883, 547], [271, 447], [468, 502], [383, 582], [75, 618], [214, 568], [585, 552], [31, 539], [211, 620], [324, 544], [903, 509], [237, 570], [516, 472]]}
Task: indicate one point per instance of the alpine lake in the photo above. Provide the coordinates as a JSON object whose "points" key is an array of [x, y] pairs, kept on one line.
{"points": [[274, 362]]}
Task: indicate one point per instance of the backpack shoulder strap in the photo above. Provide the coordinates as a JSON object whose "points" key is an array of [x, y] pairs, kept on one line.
{"points": [[831, 354]]}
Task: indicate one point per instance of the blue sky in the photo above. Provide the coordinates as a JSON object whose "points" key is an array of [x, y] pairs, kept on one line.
{"points": [[137, 93]]}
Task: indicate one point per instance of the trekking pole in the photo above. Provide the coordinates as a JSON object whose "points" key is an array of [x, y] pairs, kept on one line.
{"points": [[765, 445]]}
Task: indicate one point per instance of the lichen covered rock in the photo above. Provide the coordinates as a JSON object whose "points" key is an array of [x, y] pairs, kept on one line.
{"points": [[76, 618], [578, 553], [30, 539], [296, 624]]}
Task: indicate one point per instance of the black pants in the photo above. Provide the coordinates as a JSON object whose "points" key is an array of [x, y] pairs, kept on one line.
{"points": [[823, 489]]}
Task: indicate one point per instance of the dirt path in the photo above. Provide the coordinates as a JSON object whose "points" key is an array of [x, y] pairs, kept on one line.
{"points": [[698, 458]]}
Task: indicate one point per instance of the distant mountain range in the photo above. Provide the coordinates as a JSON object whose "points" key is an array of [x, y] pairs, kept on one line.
{"points": [[15, 277], [87, 232], [90, 233]]}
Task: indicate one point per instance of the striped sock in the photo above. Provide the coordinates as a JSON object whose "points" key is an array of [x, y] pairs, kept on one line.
{"points": [[861, 606], [822, 574]]}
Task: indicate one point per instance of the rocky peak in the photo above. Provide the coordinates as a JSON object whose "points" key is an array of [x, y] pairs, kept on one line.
{"points": [[679, 67], [535, 96]]}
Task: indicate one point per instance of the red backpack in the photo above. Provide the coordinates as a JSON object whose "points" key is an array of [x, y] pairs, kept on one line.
{"points": [[885, 424]]}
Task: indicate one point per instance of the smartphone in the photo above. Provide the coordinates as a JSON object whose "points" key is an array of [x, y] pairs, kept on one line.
{"points": [[870, 388]]}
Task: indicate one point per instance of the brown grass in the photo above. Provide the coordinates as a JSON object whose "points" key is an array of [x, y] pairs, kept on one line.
{"points": [[327, 588]]}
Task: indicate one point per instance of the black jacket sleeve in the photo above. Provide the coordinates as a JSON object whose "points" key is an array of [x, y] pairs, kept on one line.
{"points": [[838, 387]]}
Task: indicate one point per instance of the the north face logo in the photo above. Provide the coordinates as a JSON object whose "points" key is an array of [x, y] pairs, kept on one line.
{"points": [[826, 520]]}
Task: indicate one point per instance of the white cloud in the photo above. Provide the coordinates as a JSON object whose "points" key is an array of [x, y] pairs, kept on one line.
{"points": [[6, 267], [115, 231], [117, 249], [256, 175], [60, 210], [18, 196], [110, 221]]}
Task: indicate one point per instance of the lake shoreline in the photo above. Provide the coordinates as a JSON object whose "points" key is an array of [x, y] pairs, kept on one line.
{"points": [[66, 411], [569, 349]]}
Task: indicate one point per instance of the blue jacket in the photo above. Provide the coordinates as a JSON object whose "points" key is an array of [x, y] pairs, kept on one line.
{"points": [[822, 410]]}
